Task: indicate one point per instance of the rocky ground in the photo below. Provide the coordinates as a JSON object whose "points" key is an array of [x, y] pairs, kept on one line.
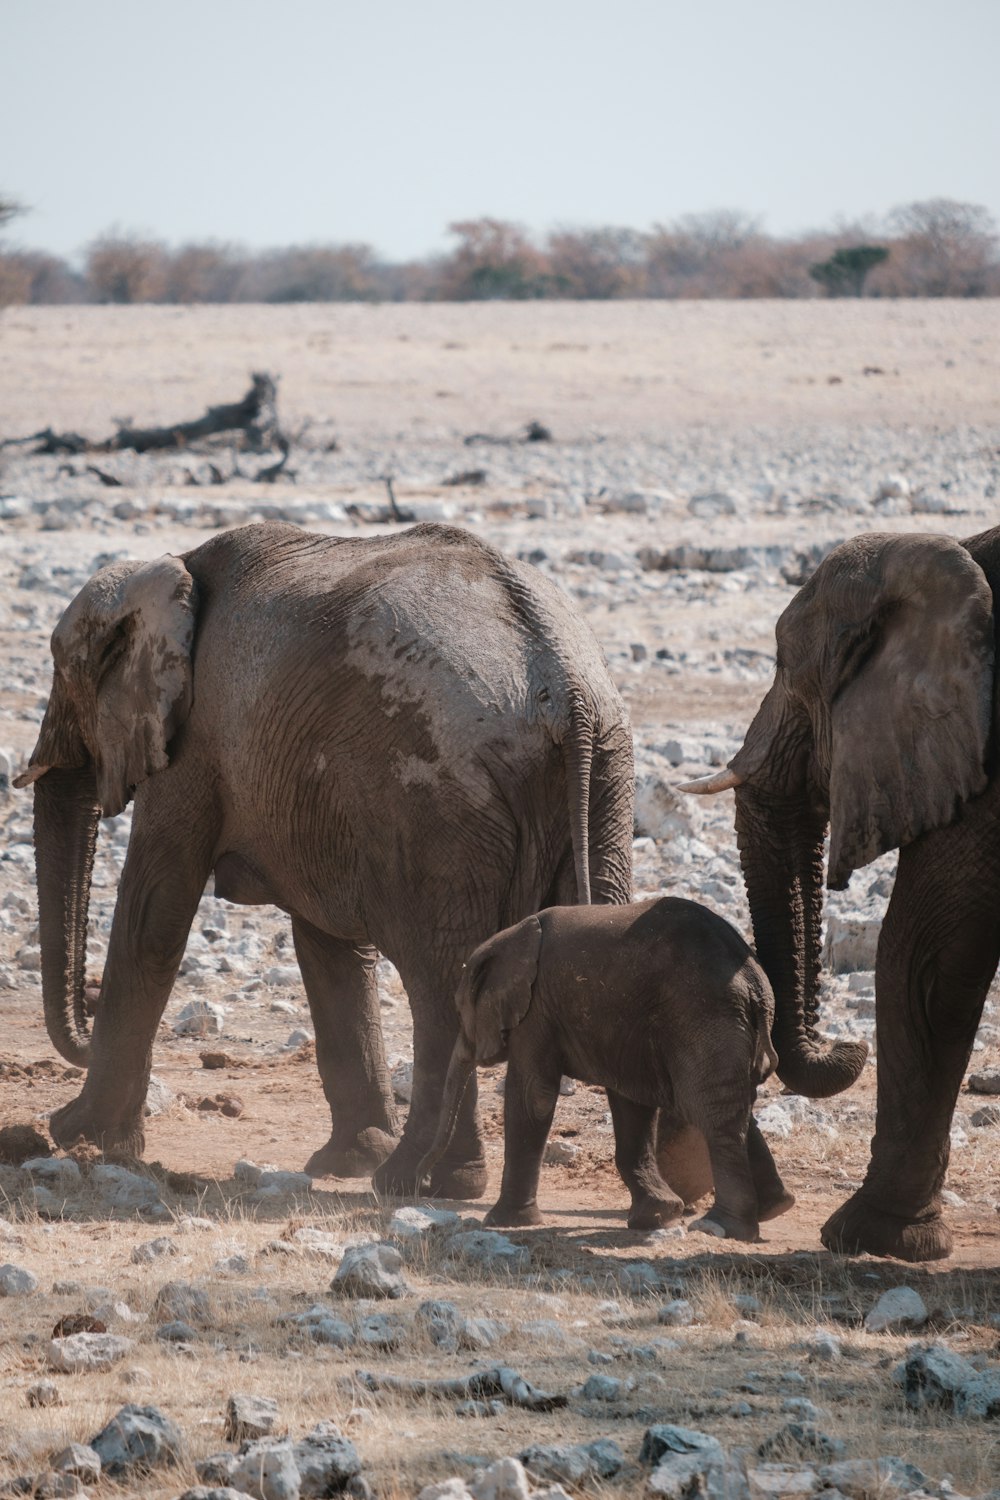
{"points": [[700, 460]]}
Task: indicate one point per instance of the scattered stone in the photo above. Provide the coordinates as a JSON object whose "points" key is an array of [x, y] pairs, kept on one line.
{"points": [[43, 1393], [382, 1331], [159, 1098], [78, 1459], [987, 1116], [418, 1220], [322, 1326], [249, 1416], [980, 1396], [561, 1153], [138, 1438], [117, 1187], [676, 1314], [58, 1172], [370, 1271], [823, 1346], [933, 1376], [176, 1332], [145, 1254], [897, 1310], [266, 1469], [503, 1480], [15, 1281], [865, 1478], [850, 942], [575, 1463], [326, 1461], [781, 1482], [485, 1247], [804, 1438], [180, 1301], [274, 1183], [199, 1018], [214, 1492], [984, 1083], [88, 1351], [601, 1388]]}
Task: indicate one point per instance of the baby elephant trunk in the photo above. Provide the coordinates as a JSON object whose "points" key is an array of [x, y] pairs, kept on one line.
{"points": [[460, 1070]]}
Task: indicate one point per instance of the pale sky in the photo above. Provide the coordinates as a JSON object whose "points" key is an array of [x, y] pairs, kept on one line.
{"points": [[271, 122]]}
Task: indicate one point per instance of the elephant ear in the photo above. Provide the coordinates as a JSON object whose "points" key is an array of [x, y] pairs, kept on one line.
{"points": [[502, 974], [124, 646], [911, 700]]}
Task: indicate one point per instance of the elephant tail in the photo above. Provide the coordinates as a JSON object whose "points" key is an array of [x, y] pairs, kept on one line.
{"points": [[578, 750], [766, 1059]]}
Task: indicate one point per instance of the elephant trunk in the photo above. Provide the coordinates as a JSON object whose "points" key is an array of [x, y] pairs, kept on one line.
{"points": [[460, 1070], [66, 814], [781, 850]]}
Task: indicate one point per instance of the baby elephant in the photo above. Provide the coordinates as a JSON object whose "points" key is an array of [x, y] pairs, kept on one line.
{"points": [[662, 1003]]}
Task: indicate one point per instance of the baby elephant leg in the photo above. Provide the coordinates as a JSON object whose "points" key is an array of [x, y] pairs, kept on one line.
{"points": [[528, 1106], [654, 1204], [773, 1198], [723, 1114]]}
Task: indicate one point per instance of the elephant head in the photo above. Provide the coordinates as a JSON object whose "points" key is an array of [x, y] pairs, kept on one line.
{"points": [[877, 724], [121, 689], [493, 997]]}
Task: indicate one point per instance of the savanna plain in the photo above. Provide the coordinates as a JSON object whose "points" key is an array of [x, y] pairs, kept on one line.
{"points": [[699, 459]]}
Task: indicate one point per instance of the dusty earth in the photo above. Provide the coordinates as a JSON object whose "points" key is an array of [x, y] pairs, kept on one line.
{"points": [[756, 436]]}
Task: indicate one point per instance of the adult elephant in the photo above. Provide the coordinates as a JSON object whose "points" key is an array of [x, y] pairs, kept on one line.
{"points": [[407, 743], [882, 721]]}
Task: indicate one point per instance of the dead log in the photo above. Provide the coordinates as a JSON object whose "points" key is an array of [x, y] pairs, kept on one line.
{"points": [[256, 417]]}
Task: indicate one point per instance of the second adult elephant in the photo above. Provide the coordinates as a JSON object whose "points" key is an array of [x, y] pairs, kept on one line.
{"points": [[883, 722], [404, 742]]}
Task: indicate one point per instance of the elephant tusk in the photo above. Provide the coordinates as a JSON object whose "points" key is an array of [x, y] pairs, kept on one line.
{"points": [[33, 773], [718, 781]]}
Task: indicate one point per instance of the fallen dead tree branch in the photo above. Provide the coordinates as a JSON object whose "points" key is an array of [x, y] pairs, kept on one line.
{"points": [[255, 416], [500, 1381]]}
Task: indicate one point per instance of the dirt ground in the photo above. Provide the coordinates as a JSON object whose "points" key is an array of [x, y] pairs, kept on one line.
{"points": [[766, 401]]}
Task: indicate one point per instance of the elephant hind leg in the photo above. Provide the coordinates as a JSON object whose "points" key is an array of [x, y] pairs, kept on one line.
{"points": [[773, 1198], [654, 1204], [340, 984]]}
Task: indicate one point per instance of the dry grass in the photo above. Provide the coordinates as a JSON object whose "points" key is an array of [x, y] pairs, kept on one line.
{"points": [[737, 1350]]}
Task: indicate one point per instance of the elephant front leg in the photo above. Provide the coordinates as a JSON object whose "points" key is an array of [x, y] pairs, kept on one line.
{"points": [[937, 955], [341, 987], [529, 1105], [653, 1203], [162, 882]]}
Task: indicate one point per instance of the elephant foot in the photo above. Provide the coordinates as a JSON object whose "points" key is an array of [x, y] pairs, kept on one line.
{"points": [[654, 1213], [501, 1216], [726, 1226], [396, 1177], [774, 1207], [75, 1123], [857, 1228], [356, 1158], [684, 1163]]}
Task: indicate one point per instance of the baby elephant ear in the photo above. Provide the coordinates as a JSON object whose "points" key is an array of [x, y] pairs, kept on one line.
{"points": [[126, 641], [503, 972]]}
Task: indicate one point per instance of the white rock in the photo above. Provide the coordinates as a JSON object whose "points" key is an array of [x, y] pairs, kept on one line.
{"points": [[283, 975], [119, 1188], [145, 1254], [15, 1281], [416, 1220], [199, 1018], [370, 1271], [850, 942], [503, 1480], [88, 1351], [559, 1153], [159, 1097], [54, 1171], [896, 1310]]}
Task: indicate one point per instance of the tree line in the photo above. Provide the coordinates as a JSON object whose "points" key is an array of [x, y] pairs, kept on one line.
{"points": [[934, 248]]}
